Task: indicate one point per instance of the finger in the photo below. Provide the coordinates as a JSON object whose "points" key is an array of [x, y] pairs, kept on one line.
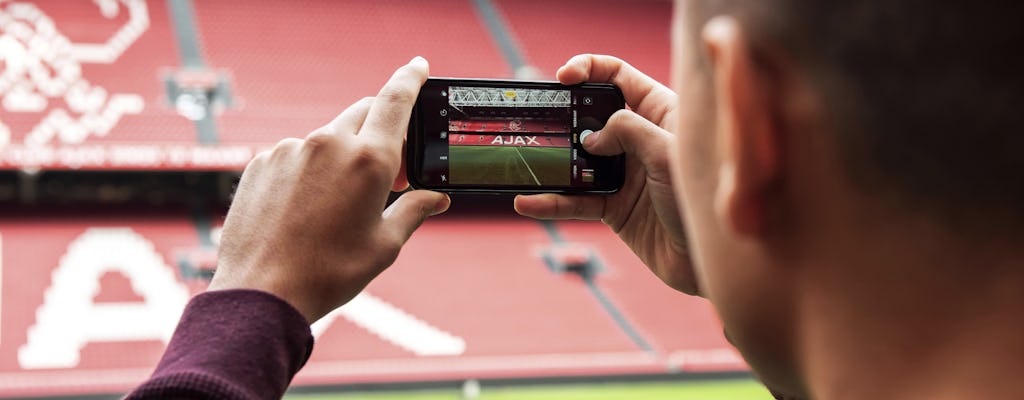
{"points": [[627, 132], [388, 118], [350, 120], [643, 93], [401, 180], [409, 211], [286, 145], [556, 206], [252, 170]]}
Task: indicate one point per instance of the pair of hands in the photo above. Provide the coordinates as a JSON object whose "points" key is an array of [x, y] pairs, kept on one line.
{"points": [[308, 222]]}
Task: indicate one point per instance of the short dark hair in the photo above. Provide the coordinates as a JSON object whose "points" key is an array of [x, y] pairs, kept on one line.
{"points": [[930, 102]]}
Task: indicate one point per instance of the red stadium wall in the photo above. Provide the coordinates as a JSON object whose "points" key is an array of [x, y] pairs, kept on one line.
{"points": [[508, 125], [460, 139], [86, 306], [88, 299]]}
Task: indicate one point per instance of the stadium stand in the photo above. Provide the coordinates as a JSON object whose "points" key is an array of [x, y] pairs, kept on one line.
{"points": [[43, 265], [315, 57], [690, 329], [549, 32], [493, 291], [135, 79], [505, 125], [133, 210], [537, 140]]}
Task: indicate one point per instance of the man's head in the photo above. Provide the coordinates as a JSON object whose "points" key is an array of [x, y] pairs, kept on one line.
{"points": [[806, 125]]}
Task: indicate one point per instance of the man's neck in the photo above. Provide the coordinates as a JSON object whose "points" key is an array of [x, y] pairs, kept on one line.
{"points": [[913, 321]]}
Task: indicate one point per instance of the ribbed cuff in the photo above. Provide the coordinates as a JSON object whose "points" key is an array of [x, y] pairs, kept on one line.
{"points": [[234, 344]]}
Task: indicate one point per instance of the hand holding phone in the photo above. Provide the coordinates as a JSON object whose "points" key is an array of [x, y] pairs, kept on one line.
{"points": [[646, 206], [469, 135], [308, 223]]}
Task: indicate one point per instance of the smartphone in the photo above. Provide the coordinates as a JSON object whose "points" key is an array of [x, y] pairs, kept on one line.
{"points": [[501, 136]]}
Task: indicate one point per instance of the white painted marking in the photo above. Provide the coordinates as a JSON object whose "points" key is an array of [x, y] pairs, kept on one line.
{"points": [[68, 318], [42, 65], [683, 359], [471, 365], [528, 167], [395, 326], [108, 52], [382, 367]]}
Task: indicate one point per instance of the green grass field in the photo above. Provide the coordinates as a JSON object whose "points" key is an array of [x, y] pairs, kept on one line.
{"points": [[529, 166], [697, 390]]}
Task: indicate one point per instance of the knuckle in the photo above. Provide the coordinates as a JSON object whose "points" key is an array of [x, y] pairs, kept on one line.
{"points": [[609, 58], [583, 60], [287, 144], [579, 210], [560, 206], [319, 139], [387, 247], [259, 159], [393, 246], [620, 117], [360, 107], [397, 94], [367, 159]]}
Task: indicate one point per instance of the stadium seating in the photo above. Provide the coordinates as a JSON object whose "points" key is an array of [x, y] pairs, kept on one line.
{"points": [[470, 296], [34, 246], [550, 32], [296, 64], [690, 328], [137, 71], [504, 125], [494, 291]]}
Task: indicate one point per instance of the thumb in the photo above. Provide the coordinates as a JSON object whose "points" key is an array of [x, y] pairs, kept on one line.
{"points": [[626, 132], [642, 140], [409, 211]]}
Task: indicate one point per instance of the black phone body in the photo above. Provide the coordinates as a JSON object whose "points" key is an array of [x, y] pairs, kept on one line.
{"points": [[503, 136]]}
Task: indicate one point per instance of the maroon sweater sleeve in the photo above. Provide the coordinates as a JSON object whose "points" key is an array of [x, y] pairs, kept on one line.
{"points": [[231, 344]]}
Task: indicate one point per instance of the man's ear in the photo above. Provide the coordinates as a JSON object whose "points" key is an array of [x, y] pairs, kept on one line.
{"points": [[747, 138]]}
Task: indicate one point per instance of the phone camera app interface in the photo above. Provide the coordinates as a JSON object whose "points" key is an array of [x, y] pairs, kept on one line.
{"points": [[509, 136], [498, 136]]}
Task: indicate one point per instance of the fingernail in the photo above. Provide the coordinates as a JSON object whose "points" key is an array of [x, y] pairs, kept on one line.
{"points": [[584, 135], [418, 59], [442, 205]]}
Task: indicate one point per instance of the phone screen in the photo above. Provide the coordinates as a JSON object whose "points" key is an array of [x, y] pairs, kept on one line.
{"points": [[511, 136]]}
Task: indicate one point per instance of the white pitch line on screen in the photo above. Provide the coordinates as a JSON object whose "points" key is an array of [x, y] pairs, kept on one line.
{"points": [[527, 166]]}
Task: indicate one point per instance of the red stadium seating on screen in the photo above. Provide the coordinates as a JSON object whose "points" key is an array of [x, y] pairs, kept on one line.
{"points": [[508, 125]]}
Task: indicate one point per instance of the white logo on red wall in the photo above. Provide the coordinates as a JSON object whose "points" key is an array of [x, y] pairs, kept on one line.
{"points": [[42, 73], [69, 317]]}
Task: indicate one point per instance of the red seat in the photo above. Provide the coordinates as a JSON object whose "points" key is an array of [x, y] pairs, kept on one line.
{"points": [[295, 65], [550, 32]]}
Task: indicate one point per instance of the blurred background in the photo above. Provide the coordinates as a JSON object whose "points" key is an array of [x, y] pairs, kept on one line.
{"points": [[124, 125]]}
